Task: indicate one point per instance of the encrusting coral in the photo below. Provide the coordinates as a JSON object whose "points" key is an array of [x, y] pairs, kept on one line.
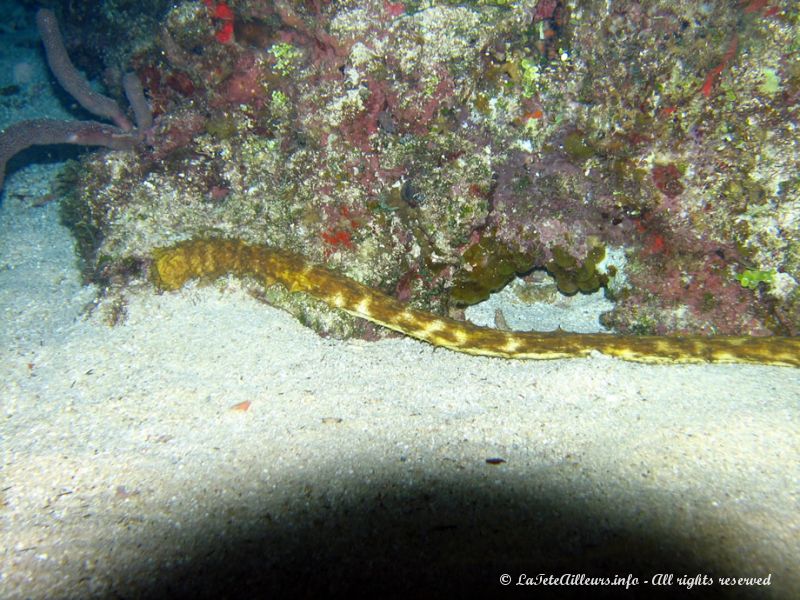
{"points": [[434, 150]]}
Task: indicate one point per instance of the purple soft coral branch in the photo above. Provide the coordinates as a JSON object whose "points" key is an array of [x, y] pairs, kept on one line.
{"points": [[135, 95], [70, 78], [40, 132]]}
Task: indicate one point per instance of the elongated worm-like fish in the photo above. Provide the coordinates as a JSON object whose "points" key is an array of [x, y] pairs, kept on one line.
{"points": [[175, 265]]}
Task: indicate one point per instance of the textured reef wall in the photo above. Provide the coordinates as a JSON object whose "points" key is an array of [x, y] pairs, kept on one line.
{"points": [[432, 150]]}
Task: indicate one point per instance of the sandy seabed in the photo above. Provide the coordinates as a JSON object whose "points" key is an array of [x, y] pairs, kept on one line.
{"points": [[130, 470]]}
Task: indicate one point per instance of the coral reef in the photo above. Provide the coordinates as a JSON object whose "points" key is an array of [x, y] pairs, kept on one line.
{"points": [[433, 150]]}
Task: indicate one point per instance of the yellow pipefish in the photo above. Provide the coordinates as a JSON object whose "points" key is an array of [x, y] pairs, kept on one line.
{"points": [[175, 265]]}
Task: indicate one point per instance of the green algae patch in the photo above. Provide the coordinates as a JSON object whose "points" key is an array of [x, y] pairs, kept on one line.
{"points": [[487, 267], [573, 277], [577, 147], [750, 278]]}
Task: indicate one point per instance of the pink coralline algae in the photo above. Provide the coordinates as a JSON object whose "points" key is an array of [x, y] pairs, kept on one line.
{"points": [[545, 9], [667, 180], [246, 83]]}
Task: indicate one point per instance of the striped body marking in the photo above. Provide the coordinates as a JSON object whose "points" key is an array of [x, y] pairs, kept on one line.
{"points": [[175, 265]]}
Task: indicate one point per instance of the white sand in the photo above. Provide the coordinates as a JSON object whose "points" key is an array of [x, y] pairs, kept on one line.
{"points": [[126, 473]]}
